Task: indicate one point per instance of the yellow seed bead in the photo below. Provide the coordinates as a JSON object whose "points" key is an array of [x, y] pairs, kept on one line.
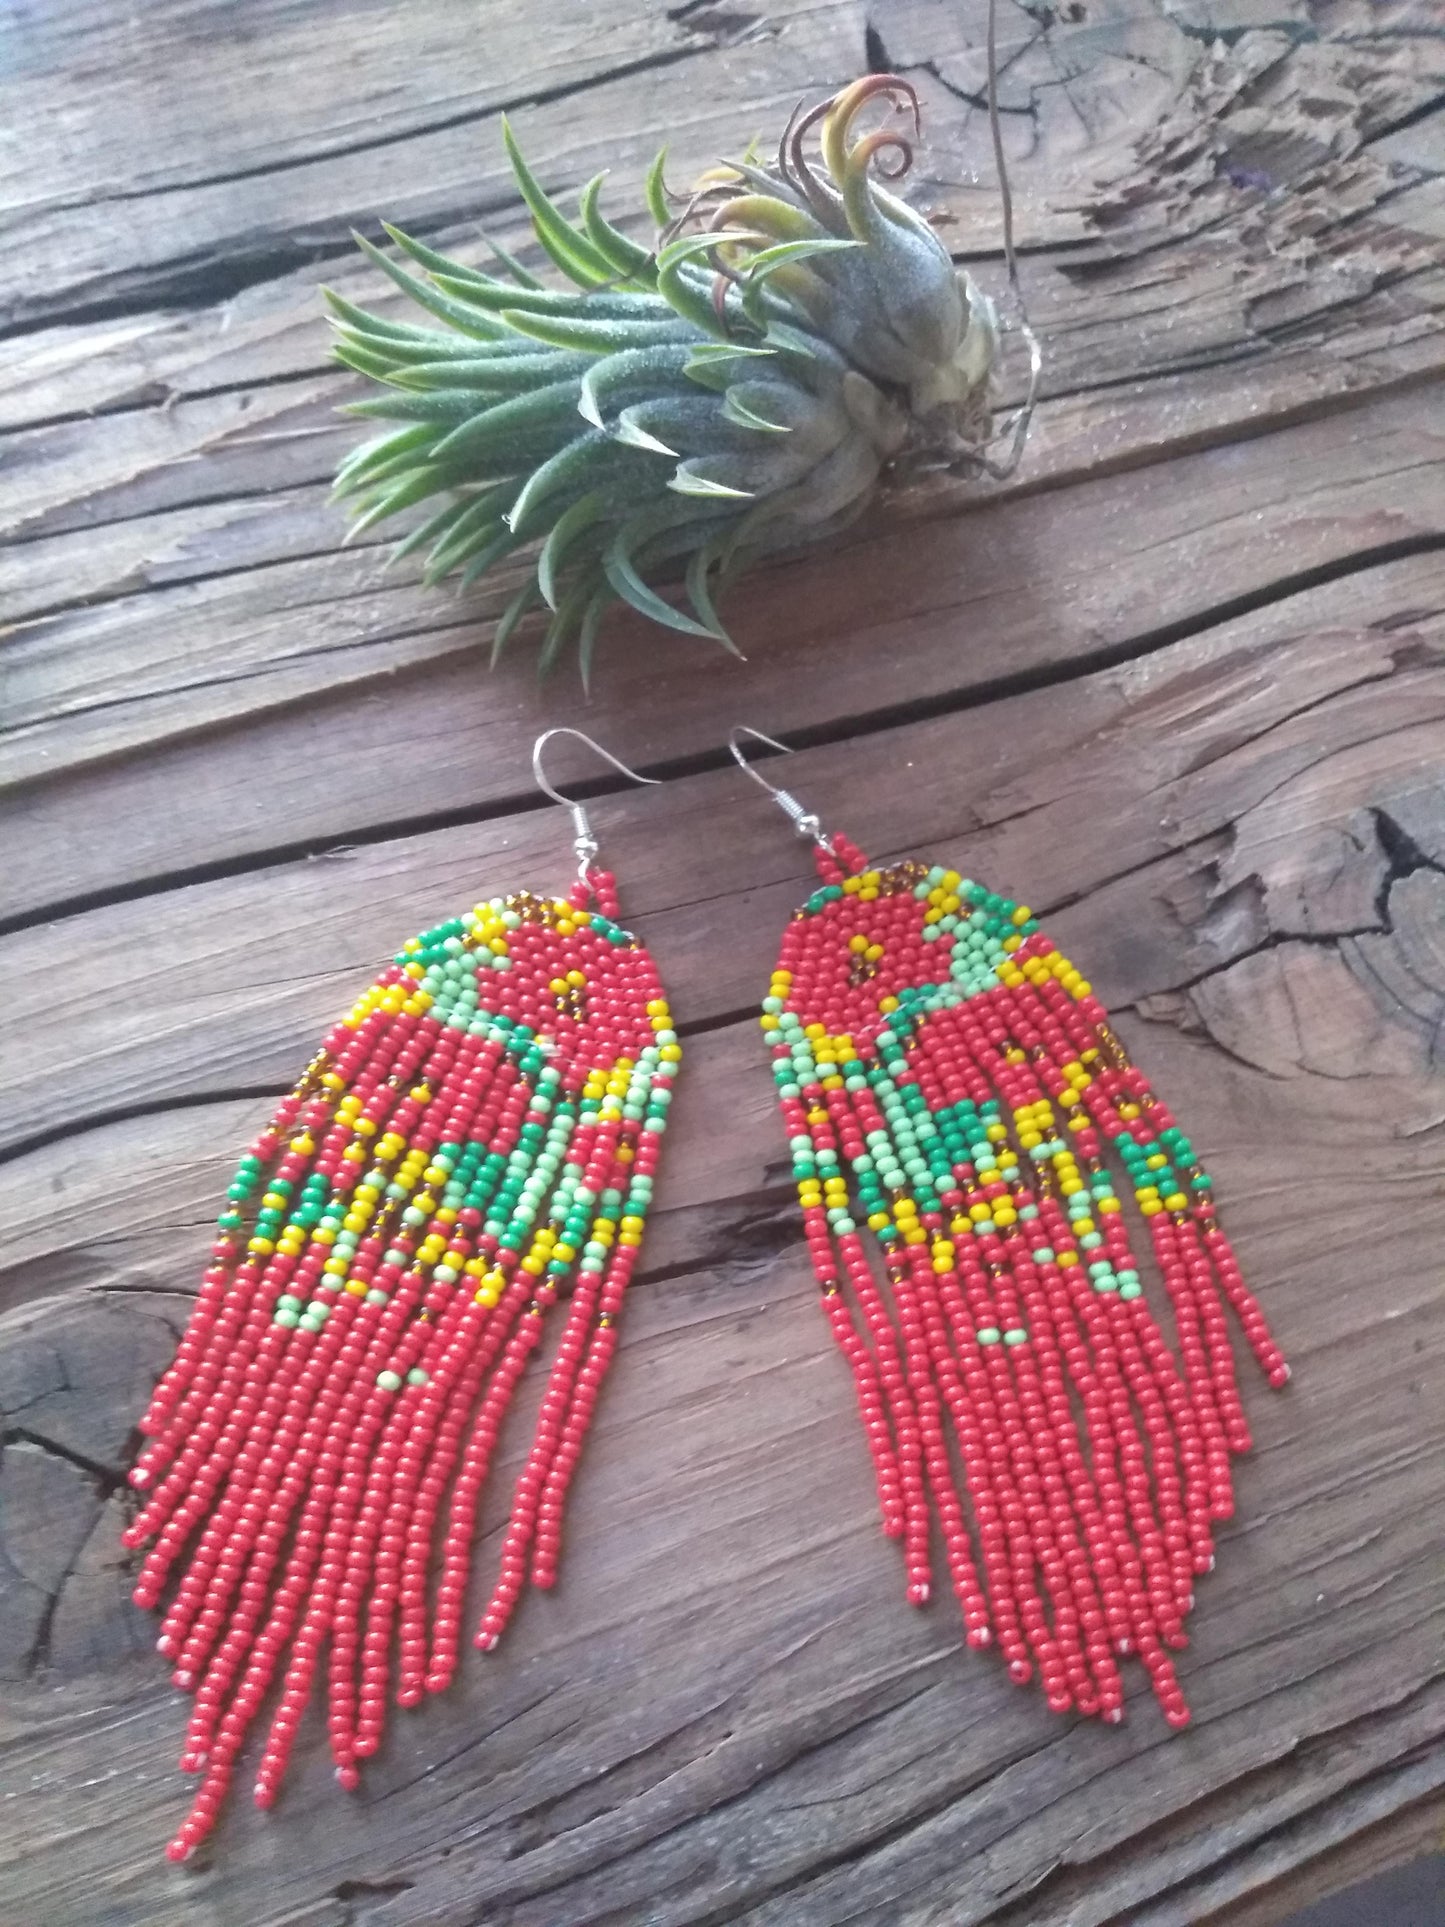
{"points": [[670, 1053], [262, 1247], [357, 1287], [888, 1004], [858, 945], [564, 1251], [533, 1266]]}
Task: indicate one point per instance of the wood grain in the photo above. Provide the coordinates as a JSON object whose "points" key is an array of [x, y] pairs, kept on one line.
{"points": [[1181, 684]]}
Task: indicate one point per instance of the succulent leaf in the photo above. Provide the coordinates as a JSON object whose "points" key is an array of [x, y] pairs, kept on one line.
{"points": [[795, 337]]}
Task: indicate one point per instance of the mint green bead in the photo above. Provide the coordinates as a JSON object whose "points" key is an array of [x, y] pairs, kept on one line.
{"points": [[988, 1335], [1131, 1290], [1016, 1335], [289, 1319]]}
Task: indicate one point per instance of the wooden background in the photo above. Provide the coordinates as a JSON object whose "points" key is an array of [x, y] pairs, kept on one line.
{"points": [[1181, 686]]}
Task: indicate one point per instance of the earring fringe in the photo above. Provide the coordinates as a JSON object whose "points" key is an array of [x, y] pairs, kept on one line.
{"points": [[481, 1130], [951, 1085]]}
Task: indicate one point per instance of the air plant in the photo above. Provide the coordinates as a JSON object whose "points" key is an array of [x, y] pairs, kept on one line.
{"points": [[796, 336]]}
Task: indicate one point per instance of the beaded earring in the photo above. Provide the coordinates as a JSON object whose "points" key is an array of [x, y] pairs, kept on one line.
{"points": [[480, 1129], [949, 1082]]}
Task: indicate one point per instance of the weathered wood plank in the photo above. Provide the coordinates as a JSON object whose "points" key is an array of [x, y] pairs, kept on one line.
{"points": [[291, 190], [139, 1022], [1013, 589]]}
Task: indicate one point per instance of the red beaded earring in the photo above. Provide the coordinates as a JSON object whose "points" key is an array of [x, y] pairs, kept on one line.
{"points": [[951, 1086], [479, 1131]]}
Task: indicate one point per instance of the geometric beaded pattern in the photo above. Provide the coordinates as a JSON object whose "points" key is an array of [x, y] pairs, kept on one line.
{"points": [[956, 1101], [478, 1133]]}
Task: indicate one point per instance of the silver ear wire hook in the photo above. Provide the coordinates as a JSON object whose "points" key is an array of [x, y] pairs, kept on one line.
{"points": [[804, 821], [584, 844]]}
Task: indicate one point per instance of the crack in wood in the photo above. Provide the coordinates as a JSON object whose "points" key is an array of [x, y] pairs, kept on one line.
{"points": [[855, 727]]}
